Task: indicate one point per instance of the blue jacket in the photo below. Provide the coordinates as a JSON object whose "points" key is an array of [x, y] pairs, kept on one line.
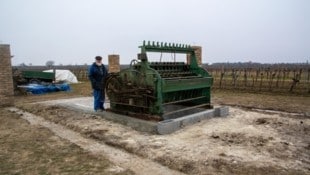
{"points": [[97, 75]]}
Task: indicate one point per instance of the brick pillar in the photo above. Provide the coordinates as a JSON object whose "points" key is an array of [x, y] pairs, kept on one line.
{"points": [[198, 53], [6, 77], [114, 65]]}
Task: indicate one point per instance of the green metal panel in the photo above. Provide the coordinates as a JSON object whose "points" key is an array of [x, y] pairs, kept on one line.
{"points": [[185, 84], [38, 75]]}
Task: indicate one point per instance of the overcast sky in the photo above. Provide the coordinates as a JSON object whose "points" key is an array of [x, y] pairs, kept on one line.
{"points": [[75, 31]]}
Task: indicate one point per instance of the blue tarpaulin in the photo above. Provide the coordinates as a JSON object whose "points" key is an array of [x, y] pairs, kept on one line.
{"points": [[42, 89]]}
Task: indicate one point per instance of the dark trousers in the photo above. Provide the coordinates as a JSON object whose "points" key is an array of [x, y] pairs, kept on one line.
{"points": [[98, 99]]}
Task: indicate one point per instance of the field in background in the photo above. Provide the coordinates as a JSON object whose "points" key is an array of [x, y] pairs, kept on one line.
{"points": [[263, 80], [246, 77], [281, 102]]}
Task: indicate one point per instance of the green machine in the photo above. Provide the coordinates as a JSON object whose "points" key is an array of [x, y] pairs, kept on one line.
{"points": [[38, 76], [151, 87]]}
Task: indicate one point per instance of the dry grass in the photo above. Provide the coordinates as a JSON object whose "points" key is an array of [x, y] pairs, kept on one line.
{"points": [[282, 102], [28, 149], [279, 102], [77, 90], [32, 150]]}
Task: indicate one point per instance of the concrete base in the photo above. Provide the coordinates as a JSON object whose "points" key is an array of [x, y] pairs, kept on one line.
{"points": [[163, 127], [171, 125]]}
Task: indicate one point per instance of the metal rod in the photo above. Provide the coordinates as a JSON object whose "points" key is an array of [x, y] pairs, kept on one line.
{"points": [[188, 108], [126, 104], [190, 99], [188, 77]]}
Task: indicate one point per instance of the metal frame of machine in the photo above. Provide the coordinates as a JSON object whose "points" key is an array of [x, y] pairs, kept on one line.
{"points": [[148, 87]]}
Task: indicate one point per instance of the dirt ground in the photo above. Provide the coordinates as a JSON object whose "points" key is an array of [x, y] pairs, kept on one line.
{"points": [[29, 149], [246, 142], [288, 102]]}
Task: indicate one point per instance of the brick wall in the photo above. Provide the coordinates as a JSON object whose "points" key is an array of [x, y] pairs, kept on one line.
{"points": [[6, 79], [198, 53], [114, 65]]}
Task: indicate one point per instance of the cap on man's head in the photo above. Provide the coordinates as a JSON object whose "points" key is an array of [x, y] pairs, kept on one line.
{"points": [[98, 58]]}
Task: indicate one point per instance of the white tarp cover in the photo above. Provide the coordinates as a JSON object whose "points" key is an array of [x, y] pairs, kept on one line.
{"points": [[64, 75]]}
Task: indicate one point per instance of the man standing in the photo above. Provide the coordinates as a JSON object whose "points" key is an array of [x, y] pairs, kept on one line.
{"points": [[97, 74]]}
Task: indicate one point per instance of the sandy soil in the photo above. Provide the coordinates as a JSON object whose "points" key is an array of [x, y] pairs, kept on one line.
{"points": [[251, 140], [34, 149], [121, 159], [246, 142], [288, 102]]}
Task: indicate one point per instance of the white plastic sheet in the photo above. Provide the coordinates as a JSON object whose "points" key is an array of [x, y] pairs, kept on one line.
{"points": [[64, 75]]}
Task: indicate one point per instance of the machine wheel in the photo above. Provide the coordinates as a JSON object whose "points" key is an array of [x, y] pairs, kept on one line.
{"points": [[133, 62], [112, 86], [35, 81]]}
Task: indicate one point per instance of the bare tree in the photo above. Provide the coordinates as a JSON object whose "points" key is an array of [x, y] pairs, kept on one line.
{"points": [[22, 64], [50, 63]]}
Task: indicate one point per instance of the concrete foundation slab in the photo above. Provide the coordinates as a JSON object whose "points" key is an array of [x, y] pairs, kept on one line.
{"points": [[85, 105], [222, 111]]}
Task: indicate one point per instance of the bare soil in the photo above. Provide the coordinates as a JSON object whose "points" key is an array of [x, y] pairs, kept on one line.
{"points": [[245, 142], [288, 102], [33, 149], [119, 157]]}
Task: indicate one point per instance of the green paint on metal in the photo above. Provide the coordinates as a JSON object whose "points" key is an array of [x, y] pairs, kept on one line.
{"points": [[146, 86], [39, 75]]}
